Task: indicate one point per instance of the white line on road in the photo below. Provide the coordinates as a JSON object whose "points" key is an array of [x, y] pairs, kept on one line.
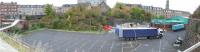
{"points": [[152, 50], [90, 48], [75, 50], [83, 44], [112, 46], [66, 50], [136, 48], [102, 46], [131, 44], [160, 46], [122, 47]]}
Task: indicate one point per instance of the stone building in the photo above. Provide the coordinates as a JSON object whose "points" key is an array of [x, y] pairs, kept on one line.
{"points": [[65, 7], [9, 10], [160, 11], [31, 10], [92, 2]]}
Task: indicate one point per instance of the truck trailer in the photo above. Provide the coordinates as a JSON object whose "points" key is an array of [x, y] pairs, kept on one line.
{"points": [[134, 33]]}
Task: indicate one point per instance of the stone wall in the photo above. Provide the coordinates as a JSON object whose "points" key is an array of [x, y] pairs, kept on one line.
{"points": [[193, 35]]}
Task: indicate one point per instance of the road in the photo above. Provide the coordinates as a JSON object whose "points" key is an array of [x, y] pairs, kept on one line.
{"points": [[160, 45], [58, 41]]}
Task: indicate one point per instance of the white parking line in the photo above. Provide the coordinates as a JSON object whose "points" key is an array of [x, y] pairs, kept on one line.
{"points": [[112, 46], [66, 50], [95, 42], [102, 46], [122, 47], [75, 44], [160, 46], [131, 43], [136, 48], [152, 50], [75, 50], [83, 44]]}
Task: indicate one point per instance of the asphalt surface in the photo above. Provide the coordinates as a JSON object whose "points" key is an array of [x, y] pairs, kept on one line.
{"points": [[58, 41]]}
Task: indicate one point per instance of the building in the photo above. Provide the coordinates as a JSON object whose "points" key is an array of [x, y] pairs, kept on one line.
{"points": [[92, 2], [65, 7], [170, 13], [167, 5], [8, 10], [153, 10], [31, 10], [160, 11], [133, 5], [104, 7]]}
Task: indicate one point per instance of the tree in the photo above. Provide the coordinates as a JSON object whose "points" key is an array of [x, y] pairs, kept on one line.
{"points": [[50, 16], [84, 18], [196, 13], [159, 17], [139, 14], [120, 11], [49, 11]]}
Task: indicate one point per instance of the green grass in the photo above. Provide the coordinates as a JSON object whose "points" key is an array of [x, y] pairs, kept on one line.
{"points": [[93, 32], [17, 45], [87, 31]]}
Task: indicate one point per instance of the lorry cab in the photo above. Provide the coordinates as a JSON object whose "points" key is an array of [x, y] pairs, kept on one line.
{"points": [[161, 31]]}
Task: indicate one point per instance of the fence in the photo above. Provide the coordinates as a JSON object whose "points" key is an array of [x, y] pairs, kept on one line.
{"points": [[192, 35]]}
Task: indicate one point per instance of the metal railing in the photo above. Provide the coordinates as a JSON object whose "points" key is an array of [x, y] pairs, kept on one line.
{"points": [[190, 49]]}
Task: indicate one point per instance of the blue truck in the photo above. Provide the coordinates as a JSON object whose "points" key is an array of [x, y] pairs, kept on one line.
{"points": [[134, 33], [178, 27]]}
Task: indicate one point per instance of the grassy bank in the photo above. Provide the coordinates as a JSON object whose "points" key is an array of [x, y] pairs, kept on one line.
{"points": [[37, 30], [14, 43]]}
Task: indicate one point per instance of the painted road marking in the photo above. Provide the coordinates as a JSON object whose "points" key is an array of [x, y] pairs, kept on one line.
{"points": [[133, 50], [102, 46], [66, 50], [111, 47], [83, 44], [90, 48], [122, 47], [160, 46]]}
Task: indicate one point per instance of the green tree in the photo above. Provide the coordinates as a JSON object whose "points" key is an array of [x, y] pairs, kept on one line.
{"points": [[84, 18], [120, 11], [196, 13], [50, 16], [159, 17], [49, 11], [138, 13]]}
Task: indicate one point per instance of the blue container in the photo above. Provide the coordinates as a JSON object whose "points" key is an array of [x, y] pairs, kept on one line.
{"points": [[178, 27]]}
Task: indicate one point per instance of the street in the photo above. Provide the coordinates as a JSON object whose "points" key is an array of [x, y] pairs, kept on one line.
{"points": [[58, 41]]}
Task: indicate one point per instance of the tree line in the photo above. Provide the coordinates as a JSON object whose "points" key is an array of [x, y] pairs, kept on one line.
{"points": [[85, 17]]}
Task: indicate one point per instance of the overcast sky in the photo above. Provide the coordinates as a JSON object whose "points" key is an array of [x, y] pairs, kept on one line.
{"points": [[184, 5]]}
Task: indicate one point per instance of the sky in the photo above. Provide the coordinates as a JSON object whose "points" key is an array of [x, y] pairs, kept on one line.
{"points": [[183, 5]]}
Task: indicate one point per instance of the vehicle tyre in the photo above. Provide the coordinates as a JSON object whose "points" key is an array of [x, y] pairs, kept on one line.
{"points": [[148, 37], [159, 36]]}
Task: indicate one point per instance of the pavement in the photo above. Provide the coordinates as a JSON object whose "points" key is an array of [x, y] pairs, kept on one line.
{"points": [[160, 45], [58, 41], [5, 47]]}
